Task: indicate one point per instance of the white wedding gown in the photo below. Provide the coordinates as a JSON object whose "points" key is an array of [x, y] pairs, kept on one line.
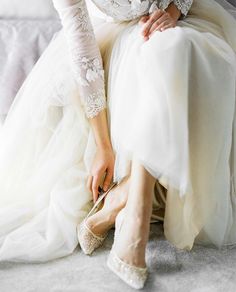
{"points": [[170, 102]]}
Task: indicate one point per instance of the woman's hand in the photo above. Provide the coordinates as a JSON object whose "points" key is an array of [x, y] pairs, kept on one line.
{"points": [[103, 164], [159, 20]]}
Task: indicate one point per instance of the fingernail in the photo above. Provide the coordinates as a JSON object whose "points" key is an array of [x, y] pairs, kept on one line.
{"points": [[99, 189], [105, 188]]}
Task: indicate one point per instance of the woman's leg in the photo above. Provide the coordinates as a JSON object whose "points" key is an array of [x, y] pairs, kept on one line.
{"points": [[141, 185], [130, 244]]}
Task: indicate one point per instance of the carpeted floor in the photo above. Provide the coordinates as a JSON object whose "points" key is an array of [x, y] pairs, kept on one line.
{"points": [[204, 269]]}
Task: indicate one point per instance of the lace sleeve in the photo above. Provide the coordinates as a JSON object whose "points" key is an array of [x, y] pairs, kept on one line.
{"points": [[182, 5], [85, 55]]}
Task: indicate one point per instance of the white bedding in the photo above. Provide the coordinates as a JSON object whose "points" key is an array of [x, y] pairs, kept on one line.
{"points": [[21, 44], [27, 9]]}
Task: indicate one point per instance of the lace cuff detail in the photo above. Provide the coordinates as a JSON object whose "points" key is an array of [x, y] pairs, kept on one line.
{"points": [[182, 5], [94, 103], [85, 56]]}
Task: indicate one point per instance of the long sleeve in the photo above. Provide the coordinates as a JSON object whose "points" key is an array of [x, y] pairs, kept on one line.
{"points": [[85, 55], [182, 5]]}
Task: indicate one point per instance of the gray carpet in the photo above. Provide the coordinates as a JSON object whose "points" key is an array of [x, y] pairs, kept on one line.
{"points": [[204, 269]]}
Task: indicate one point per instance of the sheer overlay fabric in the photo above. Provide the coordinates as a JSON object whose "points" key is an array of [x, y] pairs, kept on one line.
{"points": [[170, 102]]}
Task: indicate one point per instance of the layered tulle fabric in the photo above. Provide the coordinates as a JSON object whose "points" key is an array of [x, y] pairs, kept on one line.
{"points": [[46, 150], [171, 102], [172, 105]]}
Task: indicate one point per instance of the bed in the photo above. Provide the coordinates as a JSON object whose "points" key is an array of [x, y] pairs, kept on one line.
{"points": [[26, 28]]}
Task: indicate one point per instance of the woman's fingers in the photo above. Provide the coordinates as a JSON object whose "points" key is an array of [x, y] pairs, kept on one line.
{"points": [[89, 183], [153, 17], [167, 26], [160, 21], [144, 19], [164, 26], [95, 185], [97, 179], [108, 179], [101, 171]]}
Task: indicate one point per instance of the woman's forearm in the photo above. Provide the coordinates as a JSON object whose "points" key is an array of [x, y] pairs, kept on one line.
{"points": [[100, 129], [102, 168], [87, 66]]}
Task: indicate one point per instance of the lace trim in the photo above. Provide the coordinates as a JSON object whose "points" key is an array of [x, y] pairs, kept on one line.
{"points": [[163, 4], [153, 7], [88, 69], [123, 10], [182, 5], [94, 103], [130, 9], [132, 275], [79, 11], [85, 56], [76, 11], [87, 239]]}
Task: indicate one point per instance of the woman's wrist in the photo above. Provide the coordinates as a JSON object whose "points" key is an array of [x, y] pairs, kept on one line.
{"points": [[104, 145], [100, 130], [174, 12]]}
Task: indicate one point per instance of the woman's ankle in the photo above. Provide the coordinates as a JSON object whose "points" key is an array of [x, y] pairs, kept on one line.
{"points": [[133, 256]]}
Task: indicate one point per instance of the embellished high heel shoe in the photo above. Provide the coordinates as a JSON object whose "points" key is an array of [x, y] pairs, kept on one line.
{"points": [[87, 239], [130, 274]]}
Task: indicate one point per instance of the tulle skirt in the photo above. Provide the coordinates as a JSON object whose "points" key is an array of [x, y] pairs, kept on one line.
{"points": [[171, 103]]}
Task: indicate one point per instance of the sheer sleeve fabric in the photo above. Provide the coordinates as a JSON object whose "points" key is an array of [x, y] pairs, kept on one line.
{"points": [[85, 55], [182, 5]]}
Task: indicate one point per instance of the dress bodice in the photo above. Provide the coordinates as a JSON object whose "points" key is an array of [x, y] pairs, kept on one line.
{"points": [[85, 55], [123, 10]]}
